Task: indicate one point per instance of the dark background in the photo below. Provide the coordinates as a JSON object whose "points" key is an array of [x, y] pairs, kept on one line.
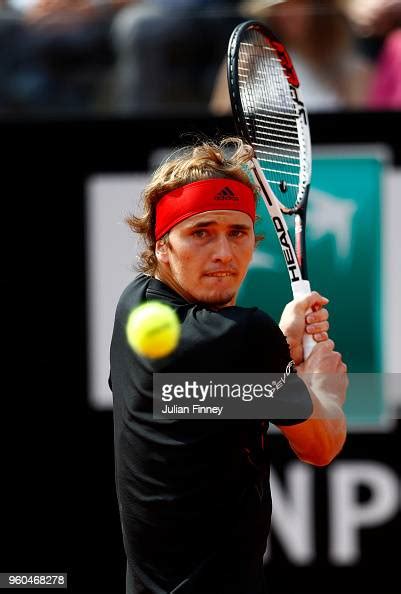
{"points": [[58, 504]]}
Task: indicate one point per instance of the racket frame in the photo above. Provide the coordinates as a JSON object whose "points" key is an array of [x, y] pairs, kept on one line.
{"points": [[295, 259]]}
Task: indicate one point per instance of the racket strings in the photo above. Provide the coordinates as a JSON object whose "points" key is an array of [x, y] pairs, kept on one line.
{"points": [[271, 117], [282, 123]]}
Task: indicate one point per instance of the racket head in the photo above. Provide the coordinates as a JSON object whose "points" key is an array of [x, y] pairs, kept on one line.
{"points": [[269, 111]]}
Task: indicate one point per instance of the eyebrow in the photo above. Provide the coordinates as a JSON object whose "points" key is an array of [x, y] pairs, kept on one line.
{"points": [[209, 223]]}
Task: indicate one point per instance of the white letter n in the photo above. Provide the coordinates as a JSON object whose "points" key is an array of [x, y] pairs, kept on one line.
{"points": [[292, 519]]}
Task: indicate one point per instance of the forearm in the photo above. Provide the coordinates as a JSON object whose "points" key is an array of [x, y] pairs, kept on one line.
{"points": [[320, 438]]}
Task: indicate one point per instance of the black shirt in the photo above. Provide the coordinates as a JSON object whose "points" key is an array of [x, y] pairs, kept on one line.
{"points": [[194, 495]]}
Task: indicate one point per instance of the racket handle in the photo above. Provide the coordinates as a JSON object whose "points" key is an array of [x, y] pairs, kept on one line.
{"points": [[302, 288], [308, 343]]}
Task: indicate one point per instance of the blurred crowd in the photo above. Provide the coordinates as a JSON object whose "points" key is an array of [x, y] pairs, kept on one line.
{"points": [[168, 56]]}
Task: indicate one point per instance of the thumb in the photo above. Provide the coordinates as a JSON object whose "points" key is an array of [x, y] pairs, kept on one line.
{"points": [[316, 301]]}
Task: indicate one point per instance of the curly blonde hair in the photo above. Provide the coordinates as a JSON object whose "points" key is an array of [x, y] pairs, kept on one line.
{"points": [[189, 164]]}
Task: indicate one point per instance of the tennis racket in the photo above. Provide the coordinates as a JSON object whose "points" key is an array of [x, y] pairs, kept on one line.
{"points": [[271, 116]]}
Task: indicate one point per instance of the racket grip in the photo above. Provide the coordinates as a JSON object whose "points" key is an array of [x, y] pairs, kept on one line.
{"points": [[308, 344], [302, 288]]}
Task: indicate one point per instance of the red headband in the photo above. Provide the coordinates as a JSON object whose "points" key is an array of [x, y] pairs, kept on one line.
{"points": [[201, 196]]}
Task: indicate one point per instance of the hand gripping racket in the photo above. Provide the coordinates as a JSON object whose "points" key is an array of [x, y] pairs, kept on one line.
{"points": [[271, 117]]}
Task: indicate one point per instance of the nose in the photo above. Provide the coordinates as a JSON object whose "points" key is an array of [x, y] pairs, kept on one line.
{"points": [[222, 250]]}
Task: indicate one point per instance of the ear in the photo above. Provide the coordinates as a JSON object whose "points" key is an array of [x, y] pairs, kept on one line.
{"points": [[161, 251]]}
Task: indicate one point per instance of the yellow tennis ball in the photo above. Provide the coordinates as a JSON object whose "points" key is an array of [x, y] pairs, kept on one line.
{"points": [[153, 329]]}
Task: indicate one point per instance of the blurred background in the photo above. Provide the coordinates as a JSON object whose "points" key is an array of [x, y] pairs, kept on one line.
{"points": [[165, 56], [93, 94]]}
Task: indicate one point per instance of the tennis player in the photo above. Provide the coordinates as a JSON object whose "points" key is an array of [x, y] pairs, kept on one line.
{"points": [[194, 495]]}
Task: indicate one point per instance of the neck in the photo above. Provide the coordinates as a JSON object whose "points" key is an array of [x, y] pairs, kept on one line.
{"points": [[166, 277]]}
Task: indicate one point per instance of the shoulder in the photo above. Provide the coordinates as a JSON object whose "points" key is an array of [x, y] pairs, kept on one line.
{"points": [[263, 328], [236, 338], [261, 319], [133, 294], [244, 321], [266, 338]]}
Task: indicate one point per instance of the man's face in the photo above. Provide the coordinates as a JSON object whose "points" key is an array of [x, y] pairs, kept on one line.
{"points": [[207, 256]]}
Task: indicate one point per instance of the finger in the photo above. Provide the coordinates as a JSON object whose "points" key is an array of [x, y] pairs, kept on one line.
{"points": [[319, 316], [337, 357], [320, 337], [316, 301], [327, 345], [317, 328]]}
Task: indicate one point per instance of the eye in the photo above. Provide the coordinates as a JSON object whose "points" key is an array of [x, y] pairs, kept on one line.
{"points": [[237, 233], [200, 233]]}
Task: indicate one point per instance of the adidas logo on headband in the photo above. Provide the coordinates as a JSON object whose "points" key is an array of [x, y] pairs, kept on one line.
{"points": [[226, 194]]}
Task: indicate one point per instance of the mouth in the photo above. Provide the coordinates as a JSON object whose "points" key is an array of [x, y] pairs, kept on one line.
{"points": [[220, 274]]}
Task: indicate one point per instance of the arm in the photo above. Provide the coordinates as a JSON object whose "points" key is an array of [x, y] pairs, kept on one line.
{"points": [[320, 438]]}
